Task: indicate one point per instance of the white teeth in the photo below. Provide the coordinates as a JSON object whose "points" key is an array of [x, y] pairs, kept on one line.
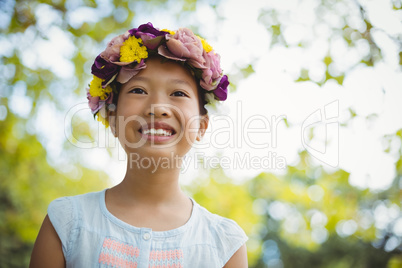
{"points": [[157, 132]]}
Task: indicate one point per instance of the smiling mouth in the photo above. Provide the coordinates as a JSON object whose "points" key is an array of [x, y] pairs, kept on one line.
{"points": [[157, 132], [157, 129]]}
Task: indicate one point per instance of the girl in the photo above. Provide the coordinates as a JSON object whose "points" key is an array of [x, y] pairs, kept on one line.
{"points": [[150, 86]]}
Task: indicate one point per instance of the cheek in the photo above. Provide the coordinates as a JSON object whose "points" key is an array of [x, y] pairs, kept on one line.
{"points": [[126, 133], [128, 107], [192, 128], [193, 115], [127, 124]]}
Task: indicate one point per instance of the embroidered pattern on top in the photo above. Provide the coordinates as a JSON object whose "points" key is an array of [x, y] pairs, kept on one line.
{"points": [[118, 254], [166, 258], [121, 255]]}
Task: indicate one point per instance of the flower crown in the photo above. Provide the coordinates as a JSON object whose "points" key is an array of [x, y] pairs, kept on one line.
{"points": [[125, 57]]}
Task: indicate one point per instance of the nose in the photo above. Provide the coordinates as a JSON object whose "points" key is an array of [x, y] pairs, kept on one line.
{"points": [[158, 110]]}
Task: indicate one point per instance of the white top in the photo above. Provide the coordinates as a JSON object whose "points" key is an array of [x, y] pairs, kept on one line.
{"points": [[92, 237]]}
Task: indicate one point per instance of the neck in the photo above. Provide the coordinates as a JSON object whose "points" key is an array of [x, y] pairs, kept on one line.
{"points": [[151, 185]]}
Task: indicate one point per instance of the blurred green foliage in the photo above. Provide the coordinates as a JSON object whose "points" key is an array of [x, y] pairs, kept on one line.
{"points": [[308, 217]]}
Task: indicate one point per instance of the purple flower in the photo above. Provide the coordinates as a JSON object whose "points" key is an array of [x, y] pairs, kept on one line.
{"points": [[221, 90], [151, 37], [112, 51], [212, 72], [104, 70], [183, 46], [146, 29]]}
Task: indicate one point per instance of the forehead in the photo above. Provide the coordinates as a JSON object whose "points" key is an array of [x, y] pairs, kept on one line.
{"points": [[160, 70]]}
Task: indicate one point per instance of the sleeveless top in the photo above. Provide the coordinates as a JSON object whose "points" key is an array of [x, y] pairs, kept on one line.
{"points": [[92, 237]]}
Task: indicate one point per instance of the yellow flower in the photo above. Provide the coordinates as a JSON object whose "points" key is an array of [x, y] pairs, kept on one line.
{"points": [[169, 31], [207, 47], [96, 90], [103, 119], [133, 50]]}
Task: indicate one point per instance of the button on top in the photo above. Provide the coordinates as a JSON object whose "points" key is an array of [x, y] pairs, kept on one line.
{"points": [[146, 236]]}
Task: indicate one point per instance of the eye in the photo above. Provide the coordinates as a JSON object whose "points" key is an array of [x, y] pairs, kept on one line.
{"points": [[179, 94], [137, 91]]}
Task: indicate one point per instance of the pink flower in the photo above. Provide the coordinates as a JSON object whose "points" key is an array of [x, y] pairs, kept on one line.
{"points": [[112, 52], [212, 72], [95, 103], [126, 73], [183, 46]]}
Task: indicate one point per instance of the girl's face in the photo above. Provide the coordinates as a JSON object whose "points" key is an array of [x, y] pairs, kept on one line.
{"points": [[158, 111]]}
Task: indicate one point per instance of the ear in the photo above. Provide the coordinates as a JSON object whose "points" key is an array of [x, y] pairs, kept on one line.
{"points": [[112, 119], [204, 121]]}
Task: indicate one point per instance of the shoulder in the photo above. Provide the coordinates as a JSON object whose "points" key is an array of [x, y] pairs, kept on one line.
{"points": [[219, 224], [65, 214], [63, 210], [227, 236], [68, 203]]}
